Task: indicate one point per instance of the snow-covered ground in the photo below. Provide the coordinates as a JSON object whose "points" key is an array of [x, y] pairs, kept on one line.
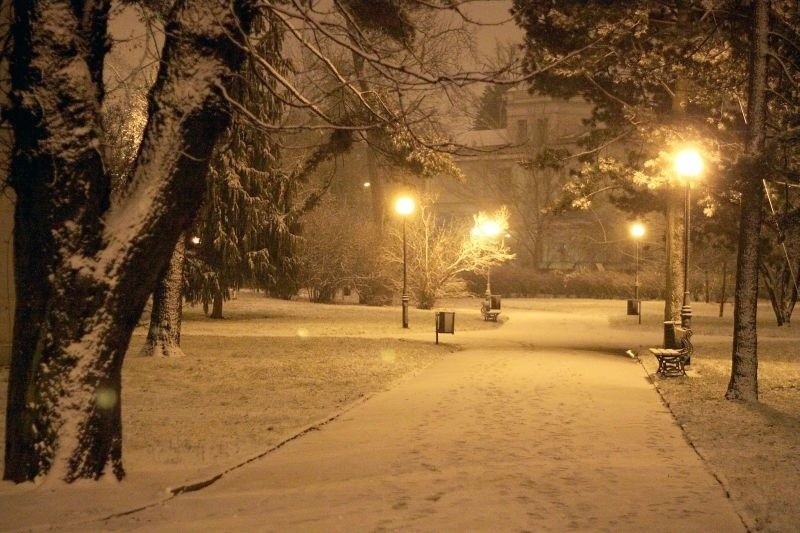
{"points": [[273, 369]]}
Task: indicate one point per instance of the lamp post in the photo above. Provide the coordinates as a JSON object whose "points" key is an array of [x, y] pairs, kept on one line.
{"points": [[404, 206], [637, 232], [688, 165], [487, 229]]}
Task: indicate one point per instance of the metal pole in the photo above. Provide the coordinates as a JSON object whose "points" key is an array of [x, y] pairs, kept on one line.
{"points": [[686, 310], [488, 282], [636, 285], [405, 279]]}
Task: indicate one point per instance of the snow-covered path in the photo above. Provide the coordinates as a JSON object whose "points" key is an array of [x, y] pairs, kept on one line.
{"points": [[541, 425]]}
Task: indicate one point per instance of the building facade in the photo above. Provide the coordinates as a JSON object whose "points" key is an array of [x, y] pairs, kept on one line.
{"points": [[523, 166]]}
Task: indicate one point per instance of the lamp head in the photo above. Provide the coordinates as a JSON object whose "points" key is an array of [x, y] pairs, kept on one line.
{"points": [[404, 205], [637, 230], [688, 163]]}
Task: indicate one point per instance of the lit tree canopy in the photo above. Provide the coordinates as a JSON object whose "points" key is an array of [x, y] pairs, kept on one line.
{"points": [[439, 250]]}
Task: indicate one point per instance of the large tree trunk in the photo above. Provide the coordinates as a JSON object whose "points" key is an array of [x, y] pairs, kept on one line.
{"points": [[84, 269], [673, 244], [164, 334], [752, 169]]}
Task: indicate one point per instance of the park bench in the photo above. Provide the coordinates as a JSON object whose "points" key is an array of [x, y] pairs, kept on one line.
{"points": [[490, 307], [489, 314], [671, 361]]}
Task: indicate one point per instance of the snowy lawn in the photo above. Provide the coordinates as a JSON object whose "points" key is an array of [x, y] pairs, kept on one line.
{"points": [[272, 368], [255, 378], [753, 449]]}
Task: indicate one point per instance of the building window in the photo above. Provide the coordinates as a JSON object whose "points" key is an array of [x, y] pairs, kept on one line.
{"points": [[541, 131]]}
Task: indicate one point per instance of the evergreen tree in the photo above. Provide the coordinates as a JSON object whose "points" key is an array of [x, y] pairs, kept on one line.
{"points": [[492, 110], [248, 226], [245, 215]]}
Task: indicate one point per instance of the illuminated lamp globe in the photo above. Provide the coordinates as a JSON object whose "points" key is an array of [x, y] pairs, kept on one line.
{"points": [[688, 163], [404, 205]]}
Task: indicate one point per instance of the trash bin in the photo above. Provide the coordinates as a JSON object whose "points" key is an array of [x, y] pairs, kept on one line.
{"points": [[445, 323], [669, 335], [633, 307]]}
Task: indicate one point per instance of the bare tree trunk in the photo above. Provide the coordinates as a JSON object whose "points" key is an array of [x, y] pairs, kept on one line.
{"points": [[723, 292], [164, 334], [375, 179], [86, 268], [377, 193], [752, 168], [789, 308], [772, 290], [216, 307], [786, 286]]}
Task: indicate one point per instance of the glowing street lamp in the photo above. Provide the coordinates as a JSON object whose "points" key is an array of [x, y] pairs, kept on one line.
{"points": [[488, 229], [637, 232], [404, 206], [688, 165]]}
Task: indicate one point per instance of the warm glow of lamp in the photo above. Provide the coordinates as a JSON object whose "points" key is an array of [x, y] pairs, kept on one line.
{"points": [[637, 230], [487, 228], [688, 163], [490, 228], [404, 205]]}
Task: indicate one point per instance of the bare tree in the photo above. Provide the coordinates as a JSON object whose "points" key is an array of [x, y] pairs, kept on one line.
{"points": [[339, 252], [439, 250]]}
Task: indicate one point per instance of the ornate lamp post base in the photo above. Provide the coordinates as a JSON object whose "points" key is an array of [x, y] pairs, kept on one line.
{"points": [[405, 310], [686, 316], [686, 321]]}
